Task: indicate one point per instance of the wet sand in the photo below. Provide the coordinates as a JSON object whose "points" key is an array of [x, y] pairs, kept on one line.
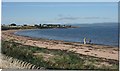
{"points": [[101, 51]]}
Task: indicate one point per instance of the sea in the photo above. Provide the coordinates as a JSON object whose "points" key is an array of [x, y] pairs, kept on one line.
{"points": [[102, 35]]}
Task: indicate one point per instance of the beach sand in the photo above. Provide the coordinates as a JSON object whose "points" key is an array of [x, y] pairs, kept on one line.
{"points": [[100, 51]]}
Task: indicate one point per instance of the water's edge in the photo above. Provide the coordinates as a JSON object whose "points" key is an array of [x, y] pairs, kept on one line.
{"points": [[17, 33]]}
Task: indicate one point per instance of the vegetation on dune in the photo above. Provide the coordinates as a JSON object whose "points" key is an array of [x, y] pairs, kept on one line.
{"points": [[54, 59]]}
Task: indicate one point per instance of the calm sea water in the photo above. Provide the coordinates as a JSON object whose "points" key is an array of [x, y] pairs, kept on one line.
{"points": [[98, 35]]}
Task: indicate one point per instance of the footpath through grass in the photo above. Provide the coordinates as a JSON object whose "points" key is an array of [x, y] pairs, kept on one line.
{"points": [[55, 59]]}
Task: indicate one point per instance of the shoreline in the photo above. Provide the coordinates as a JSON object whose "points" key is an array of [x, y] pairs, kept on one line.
{"points": [[101, 51], [62, 40]]}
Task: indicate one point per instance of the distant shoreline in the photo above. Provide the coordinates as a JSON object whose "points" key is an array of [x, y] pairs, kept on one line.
{"points": [[95, 50], [14, 26]]}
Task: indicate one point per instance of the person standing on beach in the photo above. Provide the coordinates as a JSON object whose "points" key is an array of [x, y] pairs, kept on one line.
{"points": [[84, 40], [89, 41]]}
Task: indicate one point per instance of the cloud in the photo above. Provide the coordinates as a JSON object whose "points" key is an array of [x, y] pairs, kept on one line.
{"points": [[68, 18], [84, 18]]}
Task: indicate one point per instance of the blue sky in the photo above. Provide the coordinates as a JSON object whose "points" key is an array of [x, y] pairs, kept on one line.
{"points": [[60, 0], [59, 12]]}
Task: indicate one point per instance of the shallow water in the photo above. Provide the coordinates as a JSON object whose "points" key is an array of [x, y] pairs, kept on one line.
{"points": [[98, 35]]}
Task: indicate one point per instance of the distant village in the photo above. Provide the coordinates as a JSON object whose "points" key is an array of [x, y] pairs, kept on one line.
{"points": [[35, 26]]}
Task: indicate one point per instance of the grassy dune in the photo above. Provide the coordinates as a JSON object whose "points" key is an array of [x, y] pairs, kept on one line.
{"points": [[55, 59]]}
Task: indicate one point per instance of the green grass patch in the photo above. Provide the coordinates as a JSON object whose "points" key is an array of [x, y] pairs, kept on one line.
{"points": [[61, 59]]}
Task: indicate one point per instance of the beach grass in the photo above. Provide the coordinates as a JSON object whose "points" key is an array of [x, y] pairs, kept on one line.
{"points": [[55, 59]]}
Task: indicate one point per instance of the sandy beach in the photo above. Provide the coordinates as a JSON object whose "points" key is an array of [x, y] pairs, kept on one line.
{"points": [[100, 51]]}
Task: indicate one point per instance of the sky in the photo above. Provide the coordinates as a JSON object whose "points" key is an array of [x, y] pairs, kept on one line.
{"points": [[60, 0], [59, 12]]}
